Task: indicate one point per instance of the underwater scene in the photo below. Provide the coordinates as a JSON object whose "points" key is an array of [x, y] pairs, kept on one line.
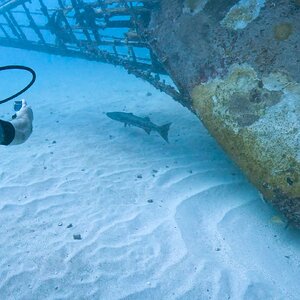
{"points": [[150, 149]]}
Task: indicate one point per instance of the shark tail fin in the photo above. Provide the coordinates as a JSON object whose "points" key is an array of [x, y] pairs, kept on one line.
{"points": [[164, 131]]}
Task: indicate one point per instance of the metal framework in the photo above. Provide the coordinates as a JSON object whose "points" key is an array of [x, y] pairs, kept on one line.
{"points": [[104, 30]]}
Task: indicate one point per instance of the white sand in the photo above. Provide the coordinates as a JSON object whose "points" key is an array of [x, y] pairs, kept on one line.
{"points": [[207, 234]]}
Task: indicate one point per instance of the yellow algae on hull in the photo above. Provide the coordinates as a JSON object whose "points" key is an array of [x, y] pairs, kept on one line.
{"points": [[256, 120], [283, 31]]}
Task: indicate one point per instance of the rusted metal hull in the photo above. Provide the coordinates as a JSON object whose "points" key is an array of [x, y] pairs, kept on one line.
{"points": [[239, 63]]}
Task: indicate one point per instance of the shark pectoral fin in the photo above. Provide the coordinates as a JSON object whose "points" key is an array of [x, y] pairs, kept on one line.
{"points": [[147, 130]]}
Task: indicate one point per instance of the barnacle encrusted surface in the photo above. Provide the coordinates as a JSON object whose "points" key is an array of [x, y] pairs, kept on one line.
{"points": [[256, 120], [241, 14]]}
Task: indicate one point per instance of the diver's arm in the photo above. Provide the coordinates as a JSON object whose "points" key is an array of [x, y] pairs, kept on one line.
{"points": [[7, 133]]}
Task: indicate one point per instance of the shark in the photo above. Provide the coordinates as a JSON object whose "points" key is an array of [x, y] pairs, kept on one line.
{"points": [[129, 119]]}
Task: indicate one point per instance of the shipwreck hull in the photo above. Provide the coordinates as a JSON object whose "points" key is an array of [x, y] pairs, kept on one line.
{"points": [[239, 63]]}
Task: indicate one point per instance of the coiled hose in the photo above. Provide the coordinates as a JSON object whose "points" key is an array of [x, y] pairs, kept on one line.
{"points": [[17, 67]]}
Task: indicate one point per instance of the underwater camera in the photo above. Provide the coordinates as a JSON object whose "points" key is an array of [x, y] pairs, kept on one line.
{"points": [[17, 105]]}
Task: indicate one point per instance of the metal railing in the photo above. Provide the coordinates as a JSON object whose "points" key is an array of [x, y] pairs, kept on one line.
{"points": [[104, 30]]}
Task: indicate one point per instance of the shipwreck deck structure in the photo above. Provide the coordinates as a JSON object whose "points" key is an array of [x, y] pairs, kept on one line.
{"points": [[106, 31]]}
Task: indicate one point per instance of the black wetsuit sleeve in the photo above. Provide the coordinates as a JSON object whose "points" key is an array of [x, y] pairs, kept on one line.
{"points": [[8, 132]]}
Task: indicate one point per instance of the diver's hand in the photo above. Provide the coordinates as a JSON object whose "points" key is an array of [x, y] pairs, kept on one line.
{"points": [[22, 122]]}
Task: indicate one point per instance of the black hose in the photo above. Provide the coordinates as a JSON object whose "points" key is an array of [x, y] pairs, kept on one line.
{"points": [[16, 67]]}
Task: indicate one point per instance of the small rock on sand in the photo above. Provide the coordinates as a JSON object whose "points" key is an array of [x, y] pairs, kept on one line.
{"points": [[77, 237]]}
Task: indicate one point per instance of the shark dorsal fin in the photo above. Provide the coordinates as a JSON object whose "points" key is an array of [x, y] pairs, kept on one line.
{"points": [[147, 130], [147, 119]]}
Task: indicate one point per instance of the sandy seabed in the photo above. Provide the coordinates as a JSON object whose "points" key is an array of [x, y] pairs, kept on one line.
{"points": [[156, 220]]}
